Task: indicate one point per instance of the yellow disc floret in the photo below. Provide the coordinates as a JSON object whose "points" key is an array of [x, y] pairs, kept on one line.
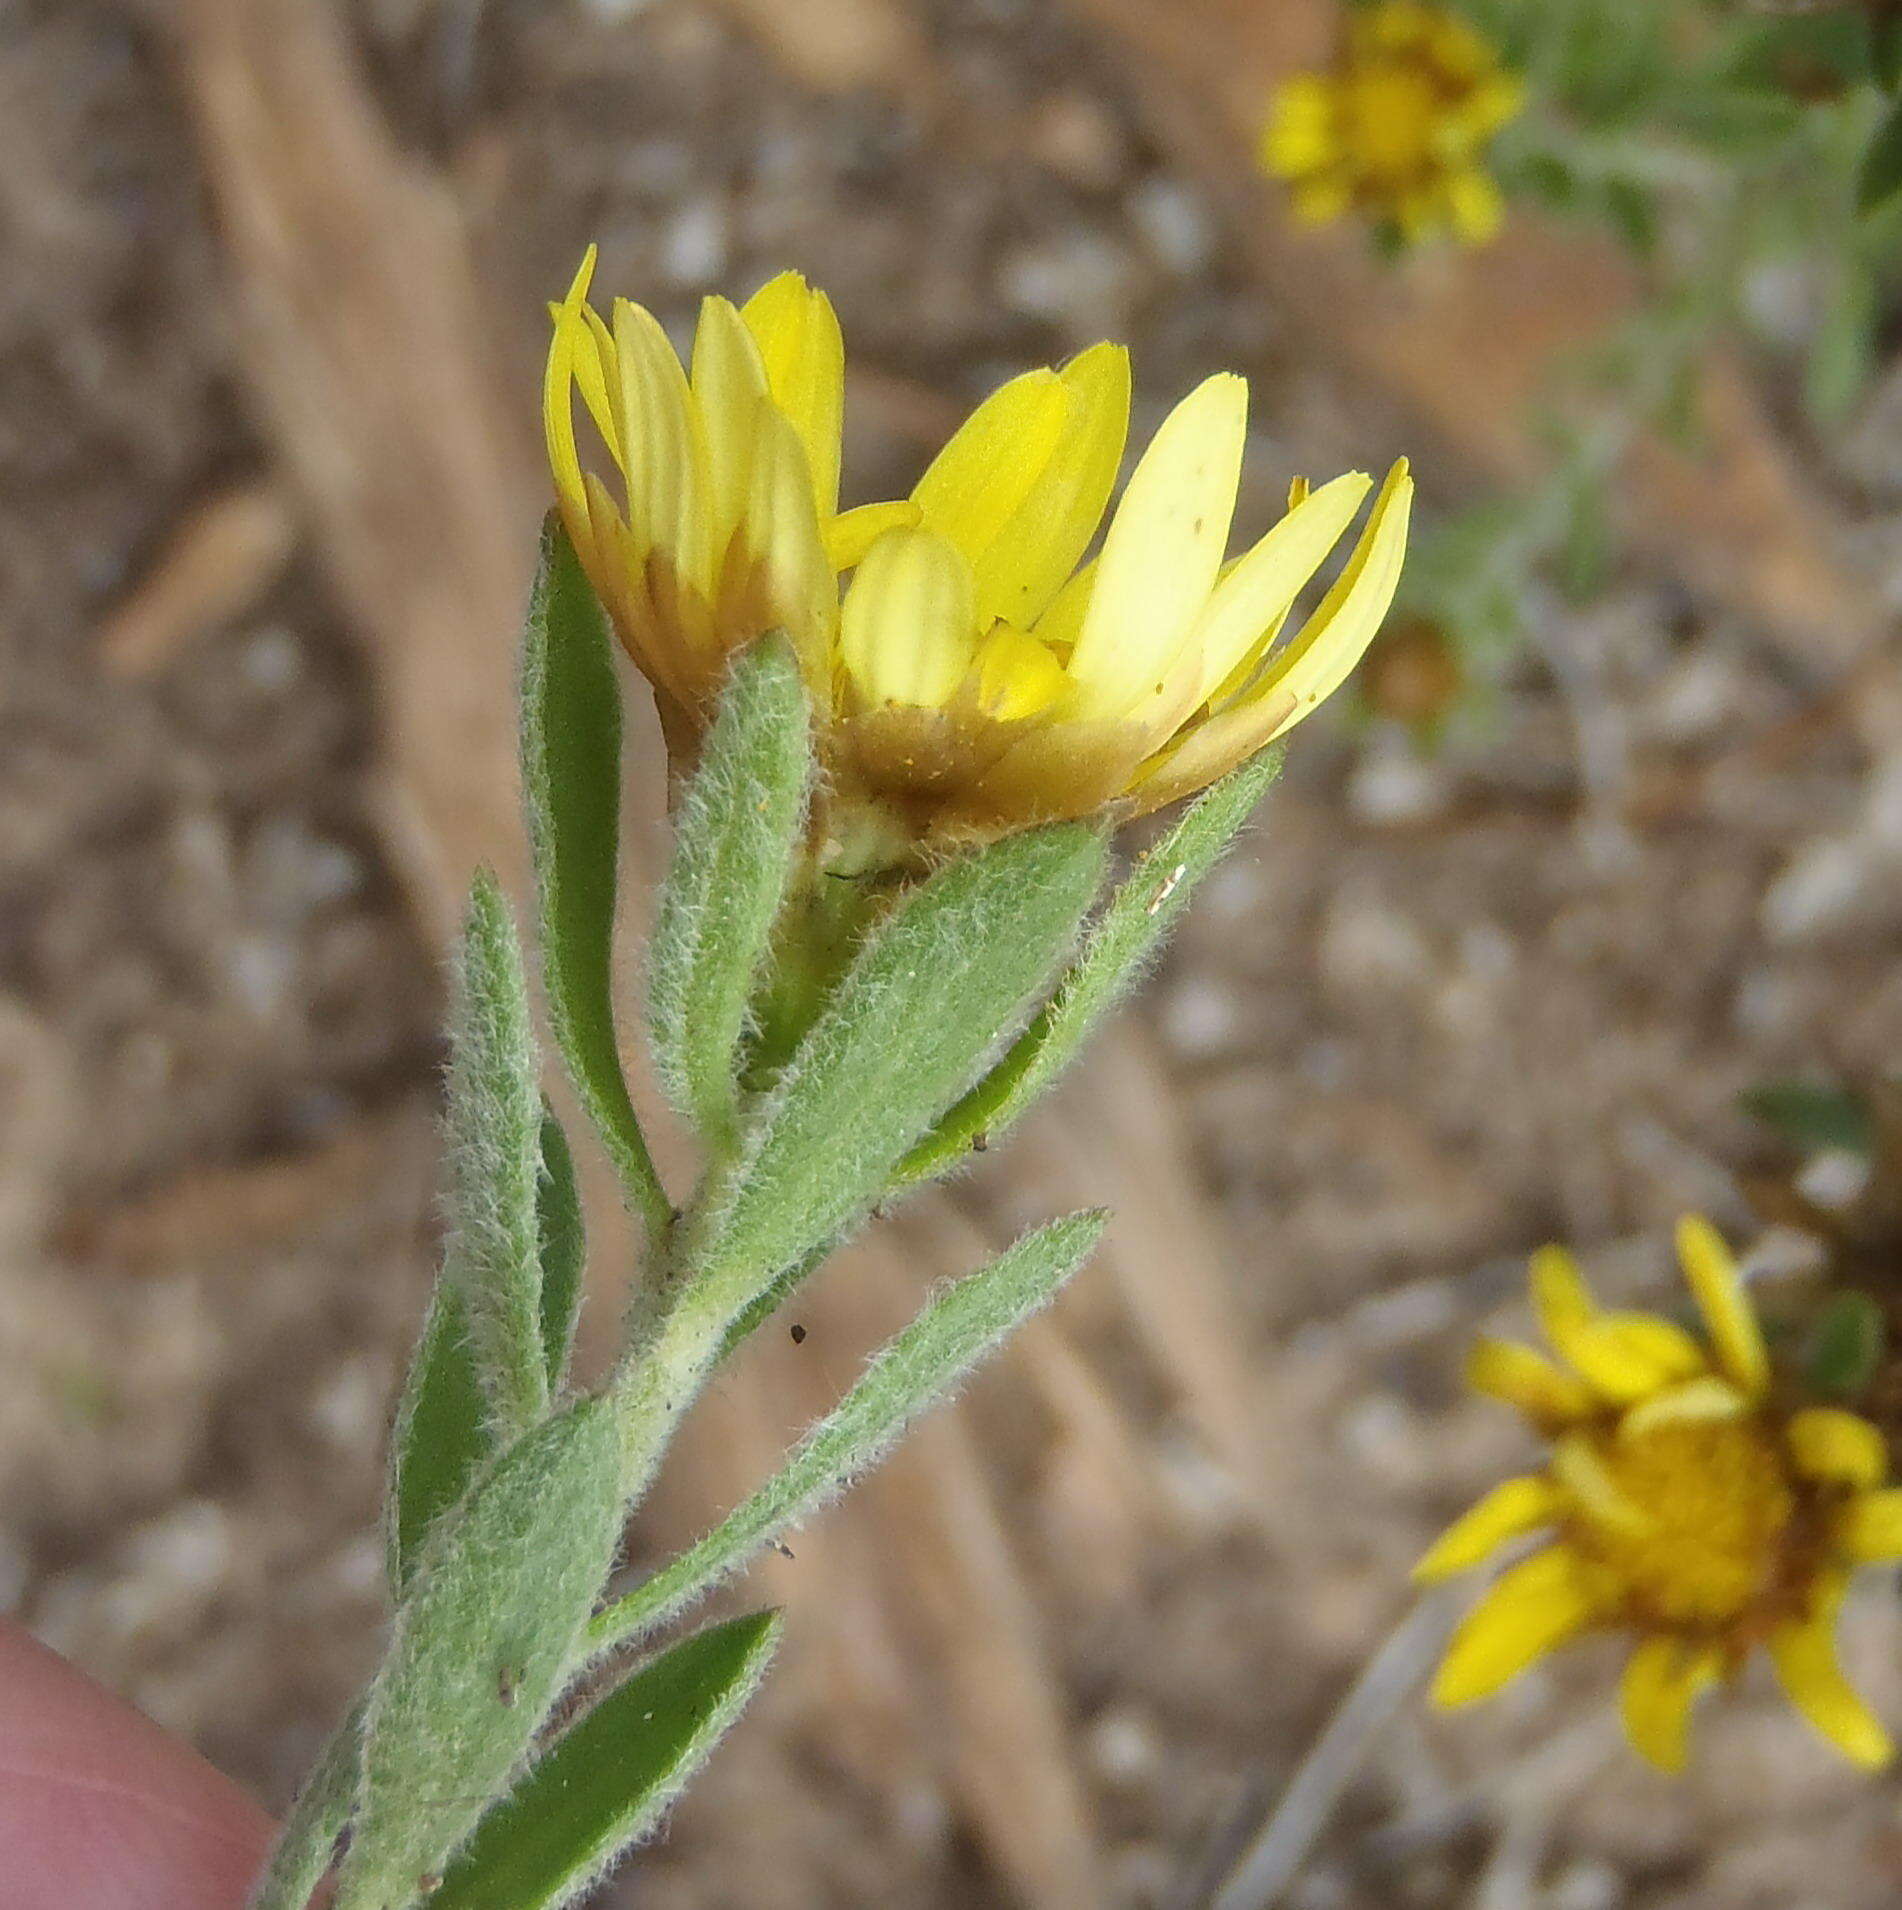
{"points": [[1689, 1508]]}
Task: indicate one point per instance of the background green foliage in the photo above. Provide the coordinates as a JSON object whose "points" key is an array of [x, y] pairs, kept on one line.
{"points": [[1748, 160]]}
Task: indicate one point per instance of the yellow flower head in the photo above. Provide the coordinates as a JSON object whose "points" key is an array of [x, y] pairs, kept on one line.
{"points": [[1689, 1509], [1396, 130], [974, 675]]}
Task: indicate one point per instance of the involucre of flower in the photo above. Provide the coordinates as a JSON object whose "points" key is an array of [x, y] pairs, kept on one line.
{"points": [[1396, 131], [974, 670], [1691, 1507]]}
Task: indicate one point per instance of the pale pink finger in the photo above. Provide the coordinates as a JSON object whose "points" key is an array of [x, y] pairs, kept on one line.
{"points": [[101, 1810]]}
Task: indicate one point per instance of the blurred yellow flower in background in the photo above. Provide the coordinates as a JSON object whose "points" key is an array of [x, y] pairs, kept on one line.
{"points": [[1396, 131], [976, 675], [1691, 1509]]}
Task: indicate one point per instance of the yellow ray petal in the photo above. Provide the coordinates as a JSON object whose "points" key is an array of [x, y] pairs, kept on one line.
{"points": [[1207, 749], [598, 378], [667, 485], [1707, 1398], [1163, 550], [729, 387], [1837, 1448], [1300, 134], [1317, 659], [1475, 206], [1509, 1511], [799, 341], [783, 570], [852, 533], [1663, 1679], [1040, 543], [1059, 626], [1589, 1485], [1015, 676], [1621, 1356], [906, 635], [993, 461], [1533, 1609], [1869, 1528], [1548, 1395], [1322, 198], [1712, 1272], [1625, 1357], [1560, 1296], [1804, 1655], [1258, 590], [567, 355]]}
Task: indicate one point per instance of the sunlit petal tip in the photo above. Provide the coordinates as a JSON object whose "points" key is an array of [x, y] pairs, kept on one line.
{"points": [[1508, 1512], [1247, 607], [583, 278], [1711, 1270], [1838, 1448], [1322, 654], [1105, 363]]}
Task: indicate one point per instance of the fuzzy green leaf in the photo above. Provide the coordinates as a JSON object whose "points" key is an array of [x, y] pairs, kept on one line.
{"points": [[1844, 350], [482, 1643], [1881, 174], [1885, 47], [909, 1375], [571, 773], [1123, 943], [736, 831], [492, 1255], [442, 1437], [564, 1248], [301, 1856], [1846, 1348], [950, 972], [1814, 1114], [606, 1781]]}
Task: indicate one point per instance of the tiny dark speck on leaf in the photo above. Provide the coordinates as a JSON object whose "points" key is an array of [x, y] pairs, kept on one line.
{"points": [[798, 1335]]}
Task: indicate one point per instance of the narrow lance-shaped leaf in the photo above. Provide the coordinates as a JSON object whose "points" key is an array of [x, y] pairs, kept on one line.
{"points": [[1881, 174], [949, 973], [911, 1373], [736, 831], [564, 1248], [492, 1256], [301, 1856], [571, 773], [442, 1437], [1124, 941], [482, 1644], [606, 1781]]}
